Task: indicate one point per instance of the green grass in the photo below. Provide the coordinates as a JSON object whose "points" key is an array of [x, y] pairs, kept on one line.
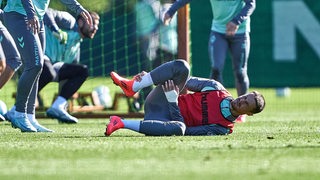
{"points": [[283, 142]]}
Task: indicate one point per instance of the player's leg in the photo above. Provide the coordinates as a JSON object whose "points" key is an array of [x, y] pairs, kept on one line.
{"points": [[170, 70], [48, 74], [156, 103], [240, 49], [13, 60], [31, 104], [73, 76], [30, 49], [147, 127], [157, 116], [176, 70], [217, 48], [207, 130]]}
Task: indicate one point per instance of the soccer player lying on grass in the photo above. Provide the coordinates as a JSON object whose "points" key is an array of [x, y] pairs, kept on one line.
{"points": [[209, 110]]}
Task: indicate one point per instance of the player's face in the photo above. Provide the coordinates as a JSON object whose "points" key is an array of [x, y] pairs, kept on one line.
{"points": [[244, 104]]}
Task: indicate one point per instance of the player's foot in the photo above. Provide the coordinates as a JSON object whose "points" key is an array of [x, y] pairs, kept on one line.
{"points": [[38, 126], [123, 83], [241, 118], [8, 116], [21, 121], [62, 115], [114, 124]]}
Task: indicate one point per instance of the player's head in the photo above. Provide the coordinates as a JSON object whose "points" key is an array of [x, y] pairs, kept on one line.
{"points": [[249, 104], [85, 30]]}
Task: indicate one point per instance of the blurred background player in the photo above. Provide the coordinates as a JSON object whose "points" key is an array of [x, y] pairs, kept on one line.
{"points": [[64, 33], [12, 56], [157, 43], [209, 110], [24, 21], [10, 59], [229, 31], [147, 24], [168, 37]]}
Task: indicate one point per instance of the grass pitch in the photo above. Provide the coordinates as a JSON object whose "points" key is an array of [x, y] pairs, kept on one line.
{"points": [[283, 142]]}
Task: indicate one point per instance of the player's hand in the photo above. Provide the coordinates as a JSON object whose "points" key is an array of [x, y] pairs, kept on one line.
{"points": [[232, 28], [33, 25], [169, 86], [171, 91], [166, 19], [61, 36], [86, 15]]}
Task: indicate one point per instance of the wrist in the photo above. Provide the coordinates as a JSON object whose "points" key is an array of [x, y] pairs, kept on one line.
{"points": [[172, 96]]}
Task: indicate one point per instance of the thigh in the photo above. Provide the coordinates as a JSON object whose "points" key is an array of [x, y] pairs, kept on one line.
{"points": [[240, 48], [48, 71], [207, 130], [10, 49], [176, 70], [156, 105], [218, 47], [28, 44], [66, 71]]}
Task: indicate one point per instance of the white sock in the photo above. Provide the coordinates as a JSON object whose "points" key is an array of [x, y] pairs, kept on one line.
{"points": [[145, 82], [31, 116], [132, 125], [60, 102]]}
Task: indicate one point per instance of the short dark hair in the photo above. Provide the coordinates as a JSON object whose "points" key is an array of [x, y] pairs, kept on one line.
{"points": [[94, 16], [95, 22], [260, 102]]}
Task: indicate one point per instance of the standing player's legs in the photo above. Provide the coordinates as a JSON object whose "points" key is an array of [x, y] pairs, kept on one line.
{"points": [[157, 119], [73, 76], [30, 50], [240, 48], [13, 60], [217, 48], [31, 105]]}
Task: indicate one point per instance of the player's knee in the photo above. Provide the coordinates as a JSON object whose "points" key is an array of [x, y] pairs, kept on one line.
{"points": [[241, 76], [216, 74], [14, 63], [34, 69], [182, 65], [181, 69], [85, 71]]}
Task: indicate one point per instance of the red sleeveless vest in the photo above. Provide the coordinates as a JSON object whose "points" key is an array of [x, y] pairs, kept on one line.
{"points": [[203, 108]]}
